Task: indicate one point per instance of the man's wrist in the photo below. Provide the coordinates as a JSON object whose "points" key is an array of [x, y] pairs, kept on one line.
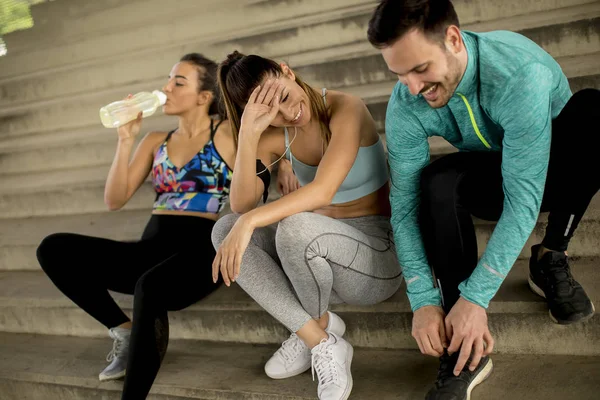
{"points": [[473, 301], [430, 297]]}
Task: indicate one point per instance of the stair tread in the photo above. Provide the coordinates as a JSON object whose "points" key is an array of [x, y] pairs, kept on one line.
{"points": [[195, 369], [128, 224], [63, 166], [34, 289]]}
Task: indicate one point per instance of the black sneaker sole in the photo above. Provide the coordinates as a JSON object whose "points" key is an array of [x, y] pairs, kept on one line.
{"points": [[538, 290], [481, 376]]}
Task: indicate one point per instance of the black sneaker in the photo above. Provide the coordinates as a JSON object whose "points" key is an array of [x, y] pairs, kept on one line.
{"points": [[450, 387], [551, 278]]}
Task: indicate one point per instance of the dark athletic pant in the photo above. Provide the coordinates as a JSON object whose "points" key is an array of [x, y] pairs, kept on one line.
{"points": [[460, 185], [169, 269]]}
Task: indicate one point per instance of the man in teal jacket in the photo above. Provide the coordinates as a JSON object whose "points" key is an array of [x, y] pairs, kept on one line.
{"points": [[526, 144]]}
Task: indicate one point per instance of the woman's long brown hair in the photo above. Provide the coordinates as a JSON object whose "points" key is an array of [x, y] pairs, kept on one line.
{"points": [[239, 75], [207, 71]]}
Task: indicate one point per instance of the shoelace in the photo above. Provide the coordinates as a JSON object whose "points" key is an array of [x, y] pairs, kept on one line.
{"points": [[116, 349], [291, 347], [559, 275], [322, 362], [446, 369]]}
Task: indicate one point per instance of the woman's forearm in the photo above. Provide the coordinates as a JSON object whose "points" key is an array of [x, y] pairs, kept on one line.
{"points": [[307, 198], [244, 194], [116, 189]]}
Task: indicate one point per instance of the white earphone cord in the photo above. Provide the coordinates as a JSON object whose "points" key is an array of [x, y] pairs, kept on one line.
{"points": [[284, 153]]}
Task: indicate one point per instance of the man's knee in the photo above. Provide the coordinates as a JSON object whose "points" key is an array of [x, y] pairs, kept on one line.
{"points": [[576, 124], [583, 106], [589, 97], [438, 183]]}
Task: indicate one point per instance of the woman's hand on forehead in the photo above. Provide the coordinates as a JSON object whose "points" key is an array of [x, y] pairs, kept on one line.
{"points": [[262, 108], [272, 89]]}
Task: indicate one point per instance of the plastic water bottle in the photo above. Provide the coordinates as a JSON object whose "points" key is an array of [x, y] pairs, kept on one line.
{"points": [[121, 112]]}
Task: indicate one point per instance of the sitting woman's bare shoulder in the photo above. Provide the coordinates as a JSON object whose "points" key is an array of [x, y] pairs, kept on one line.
{"points": [[343, 101], [224, 128], [156, 135], [350, 110], [224, 141], [153, 139], [224, 131]]}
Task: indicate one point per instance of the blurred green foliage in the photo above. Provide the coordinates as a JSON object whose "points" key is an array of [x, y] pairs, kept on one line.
{"points": [[14, 15]]}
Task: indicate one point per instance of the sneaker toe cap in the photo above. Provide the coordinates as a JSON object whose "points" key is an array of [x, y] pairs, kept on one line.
{"points": [[115, 370], [572, 311], [275, 367]]}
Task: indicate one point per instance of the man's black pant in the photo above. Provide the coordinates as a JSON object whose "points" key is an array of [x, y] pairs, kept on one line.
{"points": [[463, 184]]}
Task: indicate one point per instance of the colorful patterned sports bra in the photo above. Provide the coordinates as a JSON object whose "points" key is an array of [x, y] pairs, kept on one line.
{"points": [[201, 185]]}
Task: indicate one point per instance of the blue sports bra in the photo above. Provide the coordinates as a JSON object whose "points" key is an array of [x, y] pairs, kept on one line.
{"points": [[367, 175]]}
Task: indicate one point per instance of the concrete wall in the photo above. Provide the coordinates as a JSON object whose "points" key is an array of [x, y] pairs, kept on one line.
{"points": [[82, 54]]}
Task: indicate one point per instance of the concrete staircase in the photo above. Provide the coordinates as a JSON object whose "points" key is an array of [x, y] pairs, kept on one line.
{"points": [[54, 157]]}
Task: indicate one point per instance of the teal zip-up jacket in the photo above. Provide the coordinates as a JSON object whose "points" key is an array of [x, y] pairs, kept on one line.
{"points": [[506, 100]]}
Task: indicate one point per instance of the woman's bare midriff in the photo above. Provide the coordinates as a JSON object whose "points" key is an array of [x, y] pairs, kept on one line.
{"points": [[211, 216], [376, 203]]}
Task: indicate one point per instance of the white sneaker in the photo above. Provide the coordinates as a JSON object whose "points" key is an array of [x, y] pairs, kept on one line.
{"points": [[293, 357], [335, 325], [117, 356], [331, 359]]}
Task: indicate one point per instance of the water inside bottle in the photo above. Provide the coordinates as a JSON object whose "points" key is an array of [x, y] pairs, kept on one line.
{"points": [[121, 112]]}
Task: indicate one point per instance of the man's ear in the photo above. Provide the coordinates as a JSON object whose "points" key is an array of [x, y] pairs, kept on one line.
{"points": [[453, 41]]}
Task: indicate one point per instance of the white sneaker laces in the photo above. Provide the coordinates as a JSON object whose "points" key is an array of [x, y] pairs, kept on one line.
{"points": [[291, 348], [322, 362], [117, 348]]}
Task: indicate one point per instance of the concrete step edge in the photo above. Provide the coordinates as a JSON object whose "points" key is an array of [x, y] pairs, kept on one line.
{"points": [[24, 40], [318, 16], [34, 289], [555, 16], [518, 318], [67, 369], [371, 93], [39, 201]]}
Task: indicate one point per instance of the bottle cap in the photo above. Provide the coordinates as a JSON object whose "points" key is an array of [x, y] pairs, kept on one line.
{"points": [[162, 98]]}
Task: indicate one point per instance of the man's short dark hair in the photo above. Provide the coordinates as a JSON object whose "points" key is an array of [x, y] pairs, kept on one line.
{"points": [[394, 18]]}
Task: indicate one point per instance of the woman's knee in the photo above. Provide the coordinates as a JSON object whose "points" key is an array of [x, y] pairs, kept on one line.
{"points": [[148, 287], [222, 228], [294, 233], [50, 248]]}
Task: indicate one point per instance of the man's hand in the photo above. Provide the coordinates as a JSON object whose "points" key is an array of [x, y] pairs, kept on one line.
{"points": [[467, 325], [428, 330]]}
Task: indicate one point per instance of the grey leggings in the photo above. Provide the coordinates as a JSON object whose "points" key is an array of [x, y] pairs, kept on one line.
{"points": [[295, 269]]}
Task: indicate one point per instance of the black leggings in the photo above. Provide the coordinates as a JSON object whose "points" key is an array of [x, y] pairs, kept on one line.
{"points": [[463, 184], [169, 269]]}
